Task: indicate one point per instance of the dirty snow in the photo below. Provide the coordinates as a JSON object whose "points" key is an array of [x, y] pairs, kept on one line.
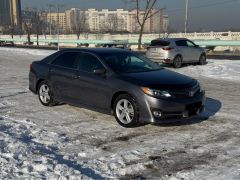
{"points": [[65, 142]]}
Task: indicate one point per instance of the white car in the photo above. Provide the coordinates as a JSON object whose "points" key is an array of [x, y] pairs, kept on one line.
{"points": [[176, 51]]}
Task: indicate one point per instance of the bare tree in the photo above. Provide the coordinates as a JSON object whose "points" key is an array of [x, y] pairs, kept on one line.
{"points": [[81, 25], [28, 29], [32, 24], [144, 15], [38, 24], [111, 24]]}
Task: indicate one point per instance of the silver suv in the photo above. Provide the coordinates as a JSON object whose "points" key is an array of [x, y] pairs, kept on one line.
{"points": [[176, 51]]}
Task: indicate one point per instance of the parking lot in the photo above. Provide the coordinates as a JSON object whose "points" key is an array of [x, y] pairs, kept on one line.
{"points": [[71, 142]]}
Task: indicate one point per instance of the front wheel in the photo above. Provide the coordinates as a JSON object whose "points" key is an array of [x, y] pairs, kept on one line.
{"points": [[177, 62], [126, 111]]}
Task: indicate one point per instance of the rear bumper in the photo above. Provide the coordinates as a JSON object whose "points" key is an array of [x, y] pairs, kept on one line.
{"points": [[174, 109], [164, 61], [32, 82]]}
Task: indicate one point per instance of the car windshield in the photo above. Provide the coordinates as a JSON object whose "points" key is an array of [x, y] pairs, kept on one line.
{"points": [[123, 62]]}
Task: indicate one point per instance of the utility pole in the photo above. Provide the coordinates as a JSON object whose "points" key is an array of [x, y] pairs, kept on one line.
{"points": [[186, 16], [160, 22], [50, 23]]}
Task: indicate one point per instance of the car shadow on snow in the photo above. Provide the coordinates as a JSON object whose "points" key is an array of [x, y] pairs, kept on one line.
{"points": [[212, 106]]}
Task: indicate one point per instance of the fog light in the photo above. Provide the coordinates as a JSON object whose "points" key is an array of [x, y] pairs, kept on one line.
{"points": [[157, 114]]}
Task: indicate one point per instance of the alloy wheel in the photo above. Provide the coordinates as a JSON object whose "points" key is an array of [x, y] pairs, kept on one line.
{"points": [[125, 111], [44, 93]]}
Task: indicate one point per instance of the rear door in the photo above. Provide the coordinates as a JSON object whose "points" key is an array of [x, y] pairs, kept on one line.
{"points": [[184, 50], [63, 73]]}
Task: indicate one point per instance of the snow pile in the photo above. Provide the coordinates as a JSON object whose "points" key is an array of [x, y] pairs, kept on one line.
{"points": [[216, 69], [27, 151], [35, 52]]}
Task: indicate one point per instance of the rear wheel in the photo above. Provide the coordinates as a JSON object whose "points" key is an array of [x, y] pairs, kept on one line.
{"points": [[177, 62], [126, 111], [202, 59], [45, 94]]}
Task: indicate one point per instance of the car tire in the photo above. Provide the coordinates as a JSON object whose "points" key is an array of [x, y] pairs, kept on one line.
{"points": [[202, 59], [177, 62], [45, 94], [126, 111]]}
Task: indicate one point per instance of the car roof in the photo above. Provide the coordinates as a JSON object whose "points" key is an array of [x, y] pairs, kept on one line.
{"points": [[97, 50], [170, 39]]}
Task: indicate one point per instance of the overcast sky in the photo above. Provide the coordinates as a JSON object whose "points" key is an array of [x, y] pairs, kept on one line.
{"points": [[216, 15]]}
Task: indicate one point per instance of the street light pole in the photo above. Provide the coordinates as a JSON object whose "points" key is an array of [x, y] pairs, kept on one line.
{"points": [[186, 16], [50, 14], [58, 9]]}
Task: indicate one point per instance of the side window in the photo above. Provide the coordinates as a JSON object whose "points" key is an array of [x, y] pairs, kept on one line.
{"points": [[67, 60], [190, 44], [181, 43], [89, 63]]}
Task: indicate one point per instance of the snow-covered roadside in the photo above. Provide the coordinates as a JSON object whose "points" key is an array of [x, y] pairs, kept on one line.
{"points": [[216, 69], [65, 142], [24, 51]]}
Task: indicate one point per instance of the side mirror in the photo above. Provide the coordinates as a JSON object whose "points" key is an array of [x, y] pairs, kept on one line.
{"points": [[99, 71], [197, 46]]}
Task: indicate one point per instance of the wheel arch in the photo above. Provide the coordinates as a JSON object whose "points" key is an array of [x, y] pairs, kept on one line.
{"points": [[38, 83], [115, 96], [180, 55]]}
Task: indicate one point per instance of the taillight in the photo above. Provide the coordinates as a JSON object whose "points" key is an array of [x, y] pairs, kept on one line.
{"points": [[167, 48], [30, 67]]}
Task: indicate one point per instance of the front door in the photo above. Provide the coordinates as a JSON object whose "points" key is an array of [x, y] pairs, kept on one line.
{"points": [[92, 89]]}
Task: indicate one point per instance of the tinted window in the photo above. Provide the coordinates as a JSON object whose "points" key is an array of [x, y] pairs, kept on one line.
{"points": [[159, 43], [89, 63], [181, 43], [67, 60], [123, 62]]}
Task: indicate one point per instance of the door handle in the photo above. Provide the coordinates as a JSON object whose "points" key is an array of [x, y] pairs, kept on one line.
{"points": [[51, 70], [74, 76]]}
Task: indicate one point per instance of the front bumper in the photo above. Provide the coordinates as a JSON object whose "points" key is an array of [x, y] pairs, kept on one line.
{"points": [[171, 110]]}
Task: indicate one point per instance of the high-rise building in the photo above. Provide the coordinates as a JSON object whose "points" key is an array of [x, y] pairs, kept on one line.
{"points": [[5, 16], [10, 13], [16, 13]]}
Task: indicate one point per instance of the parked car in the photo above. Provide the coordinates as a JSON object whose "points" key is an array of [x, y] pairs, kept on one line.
{"points": [[7, 43], [176, 51], [53, 44], [28, 43], [118, 82]]}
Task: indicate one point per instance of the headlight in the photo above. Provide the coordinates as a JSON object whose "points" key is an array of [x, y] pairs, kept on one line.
{"points": [[156, 93], [200, 87]]}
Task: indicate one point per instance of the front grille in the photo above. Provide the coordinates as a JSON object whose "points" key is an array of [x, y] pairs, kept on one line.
{"points": [[194, 106], [188, 93]]}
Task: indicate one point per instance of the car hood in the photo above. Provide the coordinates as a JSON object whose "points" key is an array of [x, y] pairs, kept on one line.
{"points": [[161, 79]]}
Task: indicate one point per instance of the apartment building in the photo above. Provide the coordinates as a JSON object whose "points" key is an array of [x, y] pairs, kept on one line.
{"points": [[57, 20], [106, 20]]}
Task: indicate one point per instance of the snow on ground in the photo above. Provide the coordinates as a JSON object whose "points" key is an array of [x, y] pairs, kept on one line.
{"points": [[65, 142], [216, 69]]}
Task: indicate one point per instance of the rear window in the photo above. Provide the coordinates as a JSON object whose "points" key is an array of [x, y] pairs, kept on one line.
{"points": [[160, 43]]}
